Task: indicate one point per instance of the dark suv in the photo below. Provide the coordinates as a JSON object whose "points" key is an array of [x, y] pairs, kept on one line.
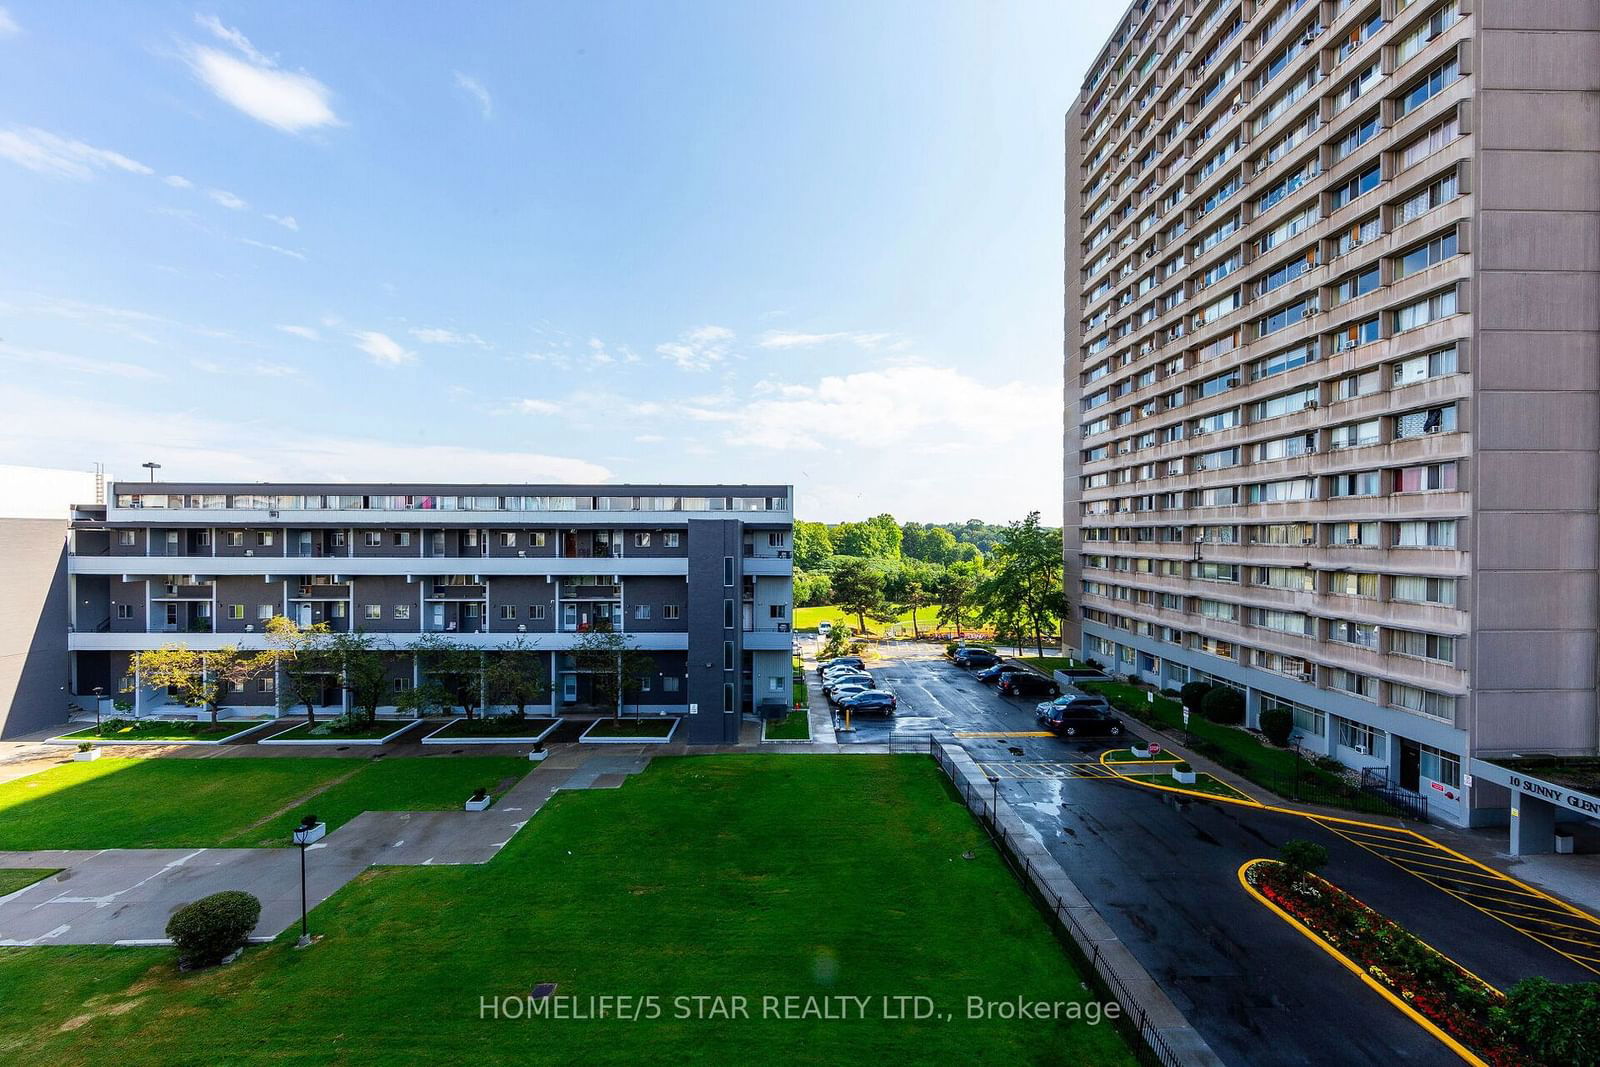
{"points": [[992, 675], [1027, 684], [975, 657], [1080, 716]]}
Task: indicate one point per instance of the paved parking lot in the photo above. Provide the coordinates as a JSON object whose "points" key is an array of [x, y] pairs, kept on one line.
{"points": [[1162, 871]]}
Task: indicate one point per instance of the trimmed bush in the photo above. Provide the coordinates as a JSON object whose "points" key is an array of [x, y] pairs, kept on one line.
{"points": [[1555, 1023], [1277, 724], [208, 930], [1302, 857], [1193, 694], [1223, 705]]}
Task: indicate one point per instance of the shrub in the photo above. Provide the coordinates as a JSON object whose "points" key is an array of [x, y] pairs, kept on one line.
{"points": [[1182, 765], [1277, 724], [208, 930], [1169, 693], [1302, 857], [1193, 693], [85, 746], [1223, 705], [1555, 1023]]}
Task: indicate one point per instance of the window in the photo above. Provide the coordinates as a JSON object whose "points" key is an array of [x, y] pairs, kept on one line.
{"points": [[1425, 200], [536, 612], [1355, 335], [1364, 483], [374, 611], [235, 538], [1290, 489], [727, 570], [402, 611], [338, 539], [1217, 609], [1363, 738], [669, 684], [641, 611], [728, 660], [402, 538], [1352, 583], [1434, 705], [1422, 646], [1283, 533], [1433, 533], [1425, 478], [1429, 420], [402, 684], [508, 539], [1284, 404], [1215, 572], [1354, 285], [263, 612], [124, 611], [775, 539], [1354, 434], [536, 539], [266, 684], [1440, 766], [1358, 35], [1299, 444], [339, 609], [1425, 255], [236, 611], [727, 697], [1358, 685], [1285, 316], [127, 537], [641, 539], [1357, 86], [727, 615], [1297, 579], [374, 538], [1354, 136], [1354, 385], [1415, 589], [508, 611], [670, 611], [1364, 534], [1358, 186], [1429, 143], [1428, 86], [1287, 272], [670, 539], [1288, 622], [264, 538], [1287, 360]]}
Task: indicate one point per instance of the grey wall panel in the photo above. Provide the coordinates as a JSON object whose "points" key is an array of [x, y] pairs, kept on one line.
{"points": [[33, 625]]}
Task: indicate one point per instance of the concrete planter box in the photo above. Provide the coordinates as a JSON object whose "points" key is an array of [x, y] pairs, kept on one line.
{"points": [[1142, 751], [1186, 777], [87, 757], [316, 833], [585, 739], [244, 730], [479, 805], [444, 735], [281, 740], [538, 755]]}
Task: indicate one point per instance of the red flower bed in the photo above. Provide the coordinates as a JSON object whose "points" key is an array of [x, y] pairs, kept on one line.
{"points": [[1437, 988]]}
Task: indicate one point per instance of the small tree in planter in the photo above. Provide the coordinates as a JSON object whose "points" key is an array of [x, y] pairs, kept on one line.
{"points": [[359, 659], [1183, 773], [614, 665], [303, 653], [516, 675], [423, 699], [455, 667], [1301, 858]]}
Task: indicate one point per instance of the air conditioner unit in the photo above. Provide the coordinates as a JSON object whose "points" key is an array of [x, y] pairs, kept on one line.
{"points": [[522, 553], [272, 514], [1198, 430], [249, 551], [1352, 540], [1311, 450], [1232, 383], [1308, 540], [1307, 676], [1309, 405], [305, 590], [1361, 750], [1430, 429], [172, 590]]}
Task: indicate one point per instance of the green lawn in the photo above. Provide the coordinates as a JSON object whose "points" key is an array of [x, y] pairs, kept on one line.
{"points": [[15, 878], [498, 726], [696, 877], [927, 620], [330, 730], [1047, 664], [180, 803], [796, 726], [158, 730], [631, 728]]}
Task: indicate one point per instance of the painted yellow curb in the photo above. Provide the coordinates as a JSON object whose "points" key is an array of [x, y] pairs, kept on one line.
{"points": [[1304, 931], [1243, 799], [1015, 733]]}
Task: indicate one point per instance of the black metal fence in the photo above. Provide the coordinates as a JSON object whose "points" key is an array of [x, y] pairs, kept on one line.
{"points": [[1151, 1047], [1370, 796]]}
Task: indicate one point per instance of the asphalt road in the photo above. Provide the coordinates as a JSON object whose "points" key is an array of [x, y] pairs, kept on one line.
{"points": [[1162, 871]]}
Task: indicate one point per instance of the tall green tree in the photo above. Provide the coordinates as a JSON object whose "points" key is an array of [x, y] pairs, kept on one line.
{"points": [[955, 594], [200, 679], [858, 588], [455, 667], [813, 546], [306, 667], [517, 675], [1023, 587], [911, 589], [359, 661], [876, 538], [614, 664]]}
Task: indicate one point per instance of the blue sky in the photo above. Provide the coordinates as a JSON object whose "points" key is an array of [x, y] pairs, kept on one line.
{"points": [[815, 243]]}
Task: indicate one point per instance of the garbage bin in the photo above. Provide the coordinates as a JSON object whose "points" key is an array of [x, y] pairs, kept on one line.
{"points": [[1564, 844]]}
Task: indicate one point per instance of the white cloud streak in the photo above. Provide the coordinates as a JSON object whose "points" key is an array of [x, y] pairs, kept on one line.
{"points": [[47, 153], [288, 222], [699, 349], [782, 339], [384, 350], [8, 25], [253, 83], [474, 88], [434, 335], [291, 253], [226, 199], [307, 332]]}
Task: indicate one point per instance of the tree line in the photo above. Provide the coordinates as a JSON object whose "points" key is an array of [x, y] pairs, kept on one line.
{"points": [[879, 569]]}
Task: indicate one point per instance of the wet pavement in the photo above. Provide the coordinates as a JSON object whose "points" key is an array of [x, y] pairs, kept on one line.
{"points": [[1161, 869]]}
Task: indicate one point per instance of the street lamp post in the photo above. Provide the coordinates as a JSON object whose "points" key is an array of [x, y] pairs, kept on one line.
{"points": [[97, 691], [152, 468], [994, 798], [304, 834]]}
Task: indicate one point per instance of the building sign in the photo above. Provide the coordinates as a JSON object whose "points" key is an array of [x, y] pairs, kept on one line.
{"points": [[1576, 801]]}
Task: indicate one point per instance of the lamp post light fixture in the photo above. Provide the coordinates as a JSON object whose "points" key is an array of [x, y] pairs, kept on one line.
{"points": [[97, 691], [152, 468], [308, 831], [994, 796]]}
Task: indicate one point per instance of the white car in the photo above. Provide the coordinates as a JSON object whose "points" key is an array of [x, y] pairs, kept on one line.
{"points": [[845, 692], [824, 628]]}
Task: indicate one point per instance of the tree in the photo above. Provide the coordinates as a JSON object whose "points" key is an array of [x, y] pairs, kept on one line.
{"points": [[813, 546], [516, 675], [455, 667], [912, 589], [614, 664], [812, 588], [1553, 1022], [858, 587], [200, 679], [1224, 705], [1193, 694], [876, 538], [1024, 582], [1277, 724], [422, 699], [954, 594], [358, 660], [1301, 858], [301, 652]]}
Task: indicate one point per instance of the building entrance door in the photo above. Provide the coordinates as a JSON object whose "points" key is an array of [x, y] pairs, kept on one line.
{"points": [[1410, 769]]}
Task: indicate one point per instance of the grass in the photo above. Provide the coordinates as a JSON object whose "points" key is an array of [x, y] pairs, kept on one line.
{"points": [[927, 620], [15, 878], [158, 730], [631, 728], [802, 695], [499, 726], [796, 726], [674, 885], [1238, 750], [1047, 664], [327, 730], [182, 803], [1203, 783]]}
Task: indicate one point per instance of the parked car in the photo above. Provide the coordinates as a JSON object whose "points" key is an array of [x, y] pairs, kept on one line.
{"points": [[955, 647], [842, 661], [975, 657], [992, 675], [864, 680], [840, 672], [843, 693], [1027, 684], [871, 700], [824, 628], [1079, 716]]}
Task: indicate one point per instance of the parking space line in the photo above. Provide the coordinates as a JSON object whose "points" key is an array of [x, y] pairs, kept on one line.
{"points": [[1001, 733]]}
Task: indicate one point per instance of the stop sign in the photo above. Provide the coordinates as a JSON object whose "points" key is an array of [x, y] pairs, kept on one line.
{"points": [[1155, 749]]}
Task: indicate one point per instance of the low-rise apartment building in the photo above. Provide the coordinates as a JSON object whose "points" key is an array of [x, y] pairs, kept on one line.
{"points": [[698, 577], [1332, 352]]}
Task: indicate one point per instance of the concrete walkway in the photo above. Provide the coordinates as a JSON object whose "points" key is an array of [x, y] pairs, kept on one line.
{"points": [[125, 896]]}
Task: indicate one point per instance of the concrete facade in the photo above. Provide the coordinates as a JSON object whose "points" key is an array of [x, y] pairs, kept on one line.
{"points": [[698, 577], [33, 624], [1332, 326]]}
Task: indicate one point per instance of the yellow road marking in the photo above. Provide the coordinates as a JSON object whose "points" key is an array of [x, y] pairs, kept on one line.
{"points": [[1015, 733], [1295, 924]]}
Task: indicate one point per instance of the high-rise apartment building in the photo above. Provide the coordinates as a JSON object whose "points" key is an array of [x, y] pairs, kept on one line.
{"points": [[699, 577], [1332, 307]]}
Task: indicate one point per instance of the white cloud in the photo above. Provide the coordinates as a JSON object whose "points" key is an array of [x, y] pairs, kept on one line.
{"points": [[127, 322], [8, 25], [435, 335], [62, 361], [529, 406], [475, 89], [649, 439], [202, 448], [257, 369], [793, 339], [47, 153], [384, 350], [284, 100], [288, 222], [226, 199], [307, 332], [699, 349], [178, 181], [291, 253]]}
